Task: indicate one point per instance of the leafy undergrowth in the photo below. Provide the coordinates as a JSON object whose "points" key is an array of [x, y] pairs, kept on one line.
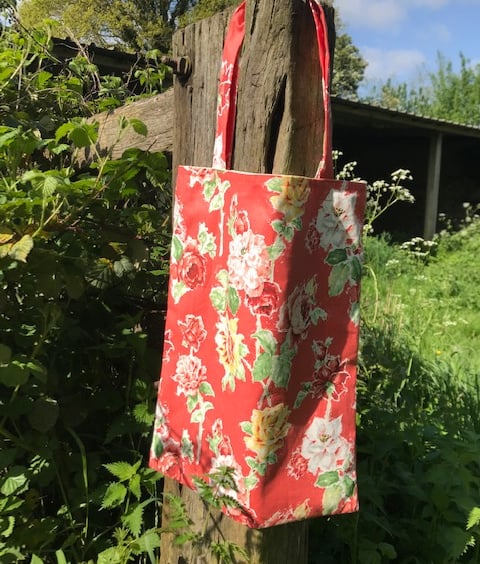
{"points": [[418, 410]]}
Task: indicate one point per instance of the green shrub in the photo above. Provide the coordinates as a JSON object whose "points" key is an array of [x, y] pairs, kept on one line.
{"points": [[83, 259]]}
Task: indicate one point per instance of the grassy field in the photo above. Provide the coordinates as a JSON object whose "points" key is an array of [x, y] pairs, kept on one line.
{"points": [[431, 295], [418, 409]]}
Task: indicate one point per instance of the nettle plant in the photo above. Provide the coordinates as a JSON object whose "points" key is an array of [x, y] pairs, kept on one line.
{"points": [[83, 264]]}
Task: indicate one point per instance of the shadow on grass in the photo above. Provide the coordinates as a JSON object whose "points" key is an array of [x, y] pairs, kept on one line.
{"points": [[418, 448]]}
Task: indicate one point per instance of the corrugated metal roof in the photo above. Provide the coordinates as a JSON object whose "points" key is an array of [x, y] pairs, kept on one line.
{"points": [[405, 119]]}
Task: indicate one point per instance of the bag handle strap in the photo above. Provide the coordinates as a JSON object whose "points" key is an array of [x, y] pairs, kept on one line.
{"points": [[227, 92]]}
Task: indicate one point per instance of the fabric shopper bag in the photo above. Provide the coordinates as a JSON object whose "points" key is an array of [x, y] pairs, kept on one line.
{"points": [[257, 389]]}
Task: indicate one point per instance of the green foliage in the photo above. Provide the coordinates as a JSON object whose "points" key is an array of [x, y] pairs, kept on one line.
{"points": [[418, 426], [204, 9], [134, 24], [348, 67], [83, 257], [446, 94], [144, 26], [83, 261]]}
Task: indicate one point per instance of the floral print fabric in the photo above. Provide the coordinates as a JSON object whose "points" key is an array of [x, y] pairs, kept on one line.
{"points": [[260, 349], [258, 372]]}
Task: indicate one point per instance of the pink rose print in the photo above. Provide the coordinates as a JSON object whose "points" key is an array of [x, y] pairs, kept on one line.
{"points": [[238, 218], [296, 314], [330, 376], [168, 463], [241, 223], [320, 349], [191, 268], [168, 346], [193, 331], [297, 465], [312, 240], [249, 265], [267, 302], [189, 374], [330, 379]]}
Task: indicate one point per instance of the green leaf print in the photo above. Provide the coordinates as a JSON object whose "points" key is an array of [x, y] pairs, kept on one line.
{"points": [[276, 250], [266, 340], [339, 276], [278, 226], [233, 300], [223, 187], [206, 241], [178, 290], [259, 467], [336, 256], [262, 368], [274, 184], [216, 203], [348, 486], [198, 416], [287, 230], [355, 269], [250, 482], [186, 446], [311, 287], [206, 389], [331, 498], [271, 458], [222, 277], [296, 223], [317, 314], [327, 479], [302, 394], [192, 402], [177, 248], [157, 446], [246, 427], [282, 366], [209, 189], [355, 313], [218, 298]]}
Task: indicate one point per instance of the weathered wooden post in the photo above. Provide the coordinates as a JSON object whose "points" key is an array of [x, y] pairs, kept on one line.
{"points": [[279, 129]]}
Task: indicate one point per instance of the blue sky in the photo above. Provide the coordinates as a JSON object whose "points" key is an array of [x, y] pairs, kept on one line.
{"points": [[400, 38]]}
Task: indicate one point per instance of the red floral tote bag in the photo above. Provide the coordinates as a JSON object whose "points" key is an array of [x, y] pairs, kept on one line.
{"points": [[259, 364]]}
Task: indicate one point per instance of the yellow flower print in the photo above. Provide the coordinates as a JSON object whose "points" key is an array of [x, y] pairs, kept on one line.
{"points": [[231, 350], [292, 198], [269, 427]]}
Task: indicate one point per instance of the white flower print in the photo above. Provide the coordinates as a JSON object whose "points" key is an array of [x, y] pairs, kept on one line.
{"points": [[324, 447], [249, 264], [218, 161], [336, 221]]}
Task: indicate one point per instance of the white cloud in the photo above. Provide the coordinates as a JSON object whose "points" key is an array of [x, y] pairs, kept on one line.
{"points": [[436, 33], [430, 3], [383, 14], [384, 64], [373, 14]]}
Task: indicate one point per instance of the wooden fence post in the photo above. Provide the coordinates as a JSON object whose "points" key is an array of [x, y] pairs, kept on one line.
{"points": [[279, 129]]}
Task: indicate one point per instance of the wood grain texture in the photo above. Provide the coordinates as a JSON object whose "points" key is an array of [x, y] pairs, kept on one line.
{"points": [[155, 112], [279, 128]]}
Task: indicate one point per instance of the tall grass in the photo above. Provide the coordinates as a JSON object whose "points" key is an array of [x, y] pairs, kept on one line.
{"points": [[418, 408]]}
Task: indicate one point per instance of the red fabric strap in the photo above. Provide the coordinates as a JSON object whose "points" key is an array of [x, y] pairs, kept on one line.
{"points": [[226, 111]]}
